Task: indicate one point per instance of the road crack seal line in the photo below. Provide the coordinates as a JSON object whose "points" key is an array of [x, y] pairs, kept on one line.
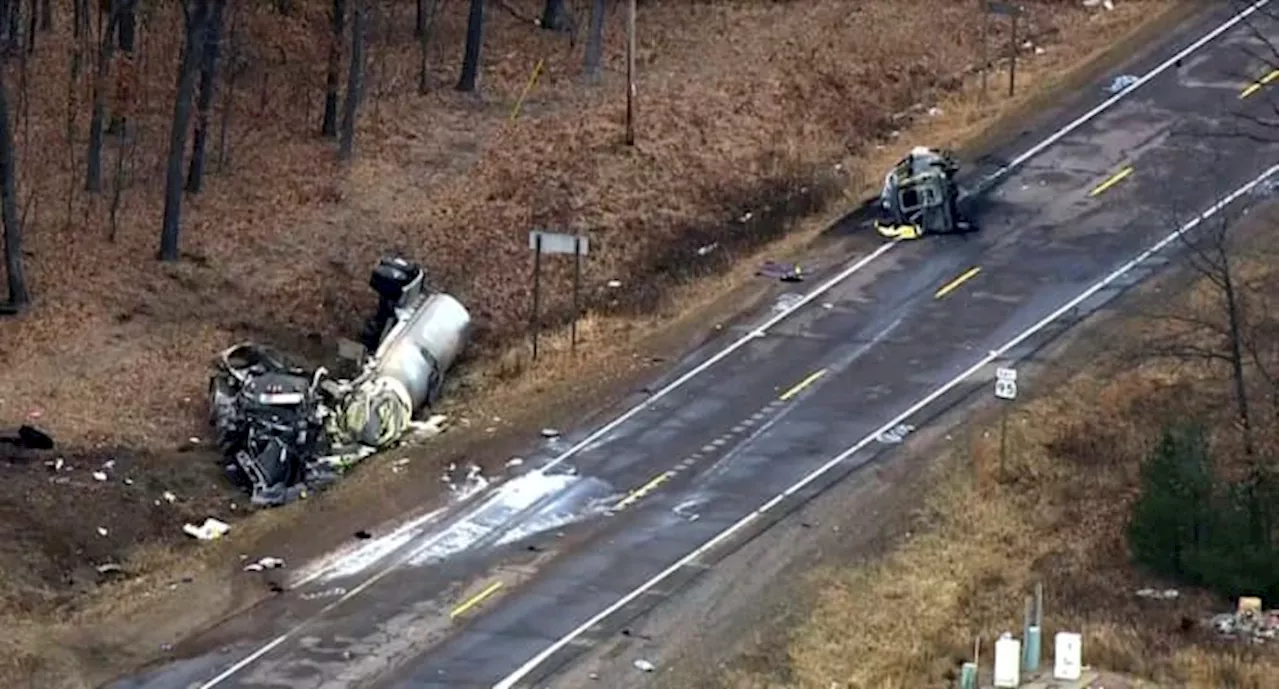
{"points": [[722, 442]]}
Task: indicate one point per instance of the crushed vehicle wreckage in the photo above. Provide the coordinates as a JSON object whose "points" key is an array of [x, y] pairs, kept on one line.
{"points": [[285, 429], [921, 196]]}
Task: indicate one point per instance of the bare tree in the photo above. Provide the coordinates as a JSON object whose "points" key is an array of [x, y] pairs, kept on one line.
{"points": [[471, 54], [116, 10], [355, 81], [196, 19], [595, 41], [1228, 323], [337, 24], [233, 61], [204, 101], [426, 18], [555, 16], [18, 295]]}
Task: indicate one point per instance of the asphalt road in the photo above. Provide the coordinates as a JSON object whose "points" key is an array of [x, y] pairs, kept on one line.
{"points": [[556, 559]]}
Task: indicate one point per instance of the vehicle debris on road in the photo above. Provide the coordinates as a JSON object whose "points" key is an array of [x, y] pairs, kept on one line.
{"points": [[285, 428], [786, 272], [921, 196]]}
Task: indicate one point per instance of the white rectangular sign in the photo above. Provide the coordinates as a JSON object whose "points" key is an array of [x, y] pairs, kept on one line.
{"points": [[1006, 389], [556, 243], [1010, 374]]}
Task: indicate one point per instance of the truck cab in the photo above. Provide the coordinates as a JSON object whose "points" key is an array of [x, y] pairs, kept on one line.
{"points": [[919, 197]]}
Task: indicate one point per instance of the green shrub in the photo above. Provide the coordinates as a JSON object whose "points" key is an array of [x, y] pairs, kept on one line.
{"points": [[1194, 528]]}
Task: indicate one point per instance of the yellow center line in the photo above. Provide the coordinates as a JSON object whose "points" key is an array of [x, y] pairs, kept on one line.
{"points": [[1112, 181], [658, 480], [644, 490], [795, 389], [951, 286], [1257, 85], [475, 600]]}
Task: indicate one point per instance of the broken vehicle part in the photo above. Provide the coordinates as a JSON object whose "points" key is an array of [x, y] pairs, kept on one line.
{"points": [[285, 428], [27, 437], [920, 196]]}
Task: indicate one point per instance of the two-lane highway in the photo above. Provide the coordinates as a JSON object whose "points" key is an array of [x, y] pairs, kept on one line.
{"points": [[762, 419]]}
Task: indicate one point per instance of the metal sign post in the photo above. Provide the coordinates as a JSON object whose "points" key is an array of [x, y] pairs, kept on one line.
{"points": [[1012, 12], [1007, 390], [555, 243], [631, 72], [986, 61], [536, 239], [577, 282]]}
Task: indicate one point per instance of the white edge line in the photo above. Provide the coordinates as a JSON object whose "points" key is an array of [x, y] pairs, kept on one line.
{"points": [[510, 680], [861, 263], [1052, 139], [820, 290]]}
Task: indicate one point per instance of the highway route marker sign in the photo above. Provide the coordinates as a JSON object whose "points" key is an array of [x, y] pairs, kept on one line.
{"points": [[1006, 383]]}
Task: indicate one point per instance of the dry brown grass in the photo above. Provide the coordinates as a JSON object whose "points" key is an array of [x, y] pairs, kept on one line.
{"points": [[279, 247], [1055, 514]]}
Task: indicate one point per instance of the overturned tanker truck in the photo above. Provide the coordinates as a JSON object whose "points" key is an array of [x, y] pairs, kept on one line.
{"points": [[284, 429]]}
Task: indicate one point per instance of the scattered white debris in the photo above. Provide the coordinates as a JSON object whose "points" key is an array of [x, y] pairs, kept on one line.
{"points": [[354, 559], [327, 593], [109, 465], [935, 111], [704, 250], [745, 217], [1166, 594], [108, 568], [99, 475], [58, 464], [433, 426], [102, 531], [1039, 50], [169, 497], [643, 665], [614, 284], [128, 481], [472, 483], [1121, 83], [264, 563], [550, 433], [210, 530], [193, 440]]}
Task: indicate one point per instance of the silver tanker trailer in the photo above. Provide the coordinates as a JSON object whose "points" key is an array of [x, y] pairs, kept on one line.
{"points": [[284, 429]]}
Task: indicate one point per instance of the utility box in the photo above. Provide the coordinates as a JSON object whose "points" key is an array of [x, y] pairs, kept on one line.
{"points": [[1008, 666], [1066, 656]]}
